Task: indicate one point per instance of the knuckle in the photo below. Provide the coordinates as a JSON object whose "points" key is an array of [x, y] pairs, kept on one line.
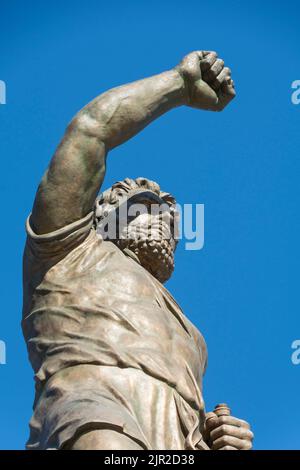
{"points": [[223, 428], [222, 419], [242, 433], [219, 443], [236, 421], [244, 424], [226, 440], [247, 445], [210, 414]]}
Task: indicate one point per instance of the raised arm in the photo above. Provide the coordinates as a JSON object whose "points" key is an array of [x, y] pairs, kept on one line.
{"points": [[69, 187]]}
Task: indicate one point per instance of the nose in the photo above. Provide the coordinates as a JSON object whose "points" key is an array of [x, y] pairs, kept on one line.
{"points": [[167, 217]]}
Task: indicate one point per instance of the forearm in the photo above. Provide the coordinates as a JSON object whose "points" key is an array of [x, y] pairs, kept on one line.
{"points": [[120, 113]]}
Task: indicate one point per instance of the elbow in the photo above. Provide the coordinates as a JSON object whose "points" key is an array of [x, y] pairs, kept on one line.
{"points": [[84, 123]]}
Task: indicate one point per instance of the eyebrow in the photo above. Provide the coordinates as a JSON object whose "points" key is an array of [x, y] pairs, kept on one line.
{"points": [[147, 197]]}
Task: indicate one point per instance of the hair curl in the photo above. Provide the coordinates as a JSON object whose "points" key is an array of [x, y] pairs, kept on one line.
{"points": [[120, 190]]}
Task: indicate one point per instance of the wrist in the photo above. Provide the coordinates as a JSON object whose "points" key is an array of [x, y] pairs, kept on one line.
{"points": [[178, 87], [185, 84]]}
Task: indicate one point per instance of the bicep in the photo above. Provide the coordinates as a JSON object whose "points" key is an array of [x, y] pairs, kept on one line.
{"points": [[70, 185]]}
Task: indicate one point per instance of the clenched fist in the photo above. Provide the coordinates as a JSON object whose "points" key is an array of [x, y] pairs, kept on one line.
{"points": [[208, 83], [227, 433]]}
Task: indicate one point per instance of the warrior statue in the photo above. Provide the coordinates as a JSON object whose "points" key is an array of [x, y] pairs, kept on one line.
{"points": [[117, 363]]}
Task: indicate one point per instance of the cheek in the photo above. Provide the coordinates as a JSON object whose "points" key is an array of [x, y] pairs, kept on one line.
{"points": [[142, 220]]}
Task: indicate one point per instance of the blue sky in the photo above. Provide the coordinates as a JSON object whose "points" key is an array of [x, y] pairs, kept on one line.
{"points": [[242, 289]]}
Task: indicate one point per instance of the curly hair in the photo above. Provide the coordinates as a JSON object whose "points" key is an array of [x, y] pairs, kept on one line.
{"points": [[120, 190]]}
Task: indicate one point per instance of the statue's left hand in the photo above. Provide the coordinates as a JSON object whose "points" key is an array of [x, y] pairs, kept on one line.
{"points": [[228, 433]]}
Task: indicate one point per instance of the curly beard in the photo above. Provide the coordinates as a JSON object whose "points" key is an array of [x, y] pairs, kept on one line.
{"points": [[155, 255]]}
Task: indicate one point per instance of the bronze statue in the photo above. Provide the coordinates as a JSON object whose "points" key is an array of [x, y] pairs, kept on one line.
{"points": [[117, 364]]}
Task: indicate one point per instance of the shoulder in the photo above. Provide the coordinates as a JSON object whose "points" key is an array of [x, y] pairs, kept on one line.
{"points": [[43, 251]]}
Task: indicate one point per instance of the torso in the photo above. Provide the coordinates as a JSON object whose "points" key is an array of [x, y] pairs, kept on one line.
{"points": [[97, 305]]}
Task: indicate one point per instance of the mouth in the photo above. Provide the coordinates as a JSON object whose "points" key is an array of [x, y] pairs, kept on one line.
{"points": [[159, 231]]}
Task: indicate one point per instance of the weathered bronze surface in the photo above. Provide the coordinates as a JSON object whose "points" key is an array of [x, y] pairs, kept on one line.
{"points": [[117, 364]]}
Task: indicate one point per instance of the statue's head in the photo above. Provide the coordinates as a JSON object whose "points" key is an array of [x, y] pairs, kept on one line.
{"points": [[137, 216]]}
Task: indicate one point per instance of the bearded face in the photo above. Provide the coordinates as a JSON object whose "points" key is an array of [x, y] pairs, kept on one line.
{"points": [[151, 238], [145, 226]]}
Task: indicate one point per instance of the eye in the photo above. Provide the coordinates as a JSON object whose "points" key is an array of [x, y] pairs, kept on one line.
{"points": [[146, 203], [130, 218]]}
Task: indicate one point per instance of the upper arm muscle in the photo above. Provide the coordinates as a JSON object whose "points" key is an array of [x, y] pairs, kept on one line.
{"points": [[69, 187]]}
